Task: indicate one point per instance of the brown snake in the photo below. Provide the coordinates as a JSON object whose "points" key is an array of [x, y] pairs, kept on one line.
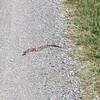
{"points": [[38, 49]]}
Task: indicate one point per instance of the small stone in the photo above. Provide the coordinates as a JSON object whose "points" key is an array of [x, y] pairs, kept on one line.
{"points": [[63, 62], [52, 66]]}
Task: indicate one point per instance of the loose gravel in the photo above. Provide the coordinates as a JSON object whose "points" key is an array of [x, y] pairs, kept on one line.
{"points": [[44, 75]]}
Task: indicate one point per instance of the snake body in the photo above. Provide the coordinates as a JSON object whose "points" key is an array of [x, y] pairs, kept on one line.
{"points": [[38, 49]]}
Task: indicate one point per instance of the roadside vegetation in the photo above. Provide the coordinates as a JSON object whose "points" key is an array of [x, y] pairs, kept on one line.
{"points": [[87, 20]]}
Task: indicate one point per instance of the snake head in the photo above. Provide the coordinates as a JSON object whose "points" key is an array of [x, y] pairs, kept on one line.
{"points": [[24, 53]]}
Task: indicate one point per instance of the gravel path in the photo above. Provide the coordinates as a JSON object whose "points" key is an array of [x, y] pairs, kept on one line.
{"points": [[45, 75]]}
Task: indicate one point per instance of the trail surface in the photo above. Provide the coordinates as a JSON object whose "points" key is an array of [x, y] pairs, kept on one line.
{"points": [[44, 75]]}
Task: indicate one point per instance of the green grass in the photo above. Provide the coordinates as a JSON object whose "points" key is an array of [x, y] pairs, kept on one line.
{"points": [[88, 22], [89, 13]]}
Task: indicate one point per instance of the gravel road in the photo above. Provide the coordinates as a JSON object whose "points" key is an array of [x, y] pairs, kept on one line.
{"points": [[44, 75]]}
